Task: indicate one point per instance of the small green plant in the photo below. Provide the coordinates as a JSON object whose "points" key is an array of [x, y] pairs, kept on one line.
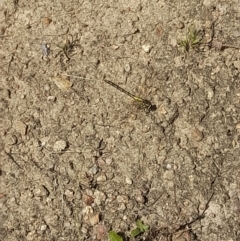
{"points": [[113, 236], [192, 40], [141, 228]]}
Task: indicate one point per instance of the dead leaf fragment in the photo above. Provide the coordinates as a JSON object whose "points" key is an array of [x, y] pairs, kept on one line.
{"points": [[62, 83]]}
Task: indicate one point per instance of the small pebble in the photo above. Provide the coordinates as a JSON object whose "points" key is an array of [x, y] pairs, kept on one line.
{"points": [[127, 67], [46, 21], [108, 161], [140, 198], [94, 169], [87, 210], [146, 48], [47, 87], [69, 193], [94, 219], [207, 3], [146, 128], [197, 134], [122, 199], [169, 166], [100, 197], [43, 227], [60, 145], [51, 98], [40, 192], [102, 178], [51, 219], [45, 49], [88, 200], [84, 229], [122, 207], [129, 181], [115, 47]]}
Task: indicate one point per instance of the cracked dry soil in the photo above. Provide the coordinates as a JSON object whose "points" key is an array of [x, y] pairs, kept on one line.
{"points": [[79, 158]]}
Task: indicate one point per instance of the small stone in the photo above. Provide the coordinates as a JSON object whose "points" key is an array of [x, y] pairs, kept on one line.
{"points": [[197, 134], [129, 181], [169, 166], [51, 98], [69, 193], [47, 87], [94, 219], [122, 199], [238, 126], [40, 192], [46, 21], [88, 200], [84, 229], [45, 49], [100, 197], [162, 110], [60, 145], [122, 207], [146, 48], [31, 235], [108, 161], [43, 227], [87, 210], [67, 224], [51, 219], [127, 67], [102, 178], [115, 47], [140, 198], [146, 128], [207, 3], [210, 93], [94, 169]]}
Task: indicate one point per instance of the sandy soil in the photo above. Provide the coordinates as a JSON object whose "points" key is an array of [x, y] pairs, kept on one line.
{"points": [[79, 158]]}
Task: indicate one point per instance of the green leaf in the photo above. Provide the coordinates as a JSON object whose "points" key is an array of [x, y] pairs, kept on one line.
{"points": [[113, 236], [141, 226], [135, 232]]}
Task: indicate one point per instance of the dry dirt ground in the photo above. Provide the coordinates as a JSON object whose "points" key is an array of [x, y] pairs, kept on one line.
{"points": [[79, 158]]}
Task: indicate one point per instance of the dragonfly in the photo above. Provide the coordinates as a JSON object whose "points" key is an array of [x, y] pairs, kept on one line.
{"points": [[144, 103]]}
